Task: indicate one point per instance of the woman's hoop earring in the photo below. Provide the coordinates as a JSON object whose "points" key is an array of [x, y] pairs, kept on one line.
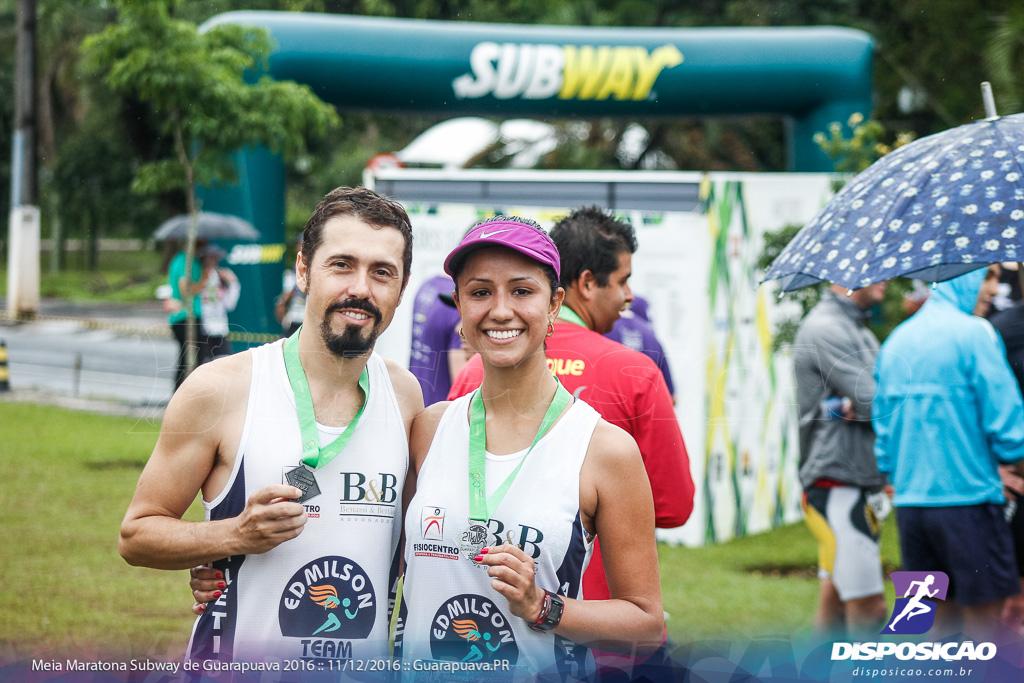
{"points": [[551, 328], [461, 335]]}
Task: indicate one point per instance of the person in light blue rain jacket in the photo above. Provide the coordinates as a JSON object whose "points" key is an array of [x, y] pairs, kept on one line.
{"points": [[946, 415]]}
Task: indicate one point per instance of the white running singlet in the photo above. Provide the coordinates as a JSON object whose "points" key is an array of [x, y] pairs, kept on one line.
{"points": [[450, 613], [326, 595]]}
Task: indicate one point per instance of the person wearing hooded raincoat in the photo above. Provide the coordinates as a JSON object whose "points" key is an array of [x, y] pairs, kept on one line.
{"points": [[946, 414]]}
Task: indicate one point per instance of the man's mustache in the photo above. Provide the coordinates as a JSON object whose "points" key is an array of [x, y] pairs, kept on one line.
{"points": [[356, 304]]}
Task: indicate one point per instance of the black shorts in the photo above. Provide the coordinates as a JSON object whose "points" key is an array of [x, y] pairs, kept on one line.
{"points": [[1017, 531], [970, 543]]}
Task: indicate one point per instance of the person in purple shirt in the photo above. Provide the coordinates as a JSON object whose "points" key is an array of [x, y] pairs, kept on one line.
{"points": [[434, 335], [634, 329]]}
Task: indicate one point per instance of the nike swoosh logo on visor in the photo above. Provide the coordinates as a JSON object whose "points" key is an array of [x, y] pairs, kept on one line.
{"points": [[484, 235]]}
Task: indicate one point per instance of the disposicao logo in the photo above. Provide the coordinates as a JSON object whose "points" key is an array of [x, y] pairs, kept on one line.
{"points": [[568, 72], [914, 613]]}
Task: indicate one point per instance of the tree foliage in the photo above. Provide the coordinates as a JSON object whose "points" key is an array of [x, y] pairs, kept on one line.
{"points": [[1004, 58], [196, 86], [927, 70], [864, 146], [852, 155], [206, 92]]}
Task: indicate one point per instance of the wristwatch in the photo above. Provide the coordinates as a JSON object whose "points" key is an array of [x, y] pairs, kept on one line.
{"points": [[550, 612]]}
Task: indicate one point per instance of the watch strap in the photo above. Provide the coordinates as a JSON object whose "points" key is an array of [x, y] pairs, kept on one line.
{"points": [[550, 612]]}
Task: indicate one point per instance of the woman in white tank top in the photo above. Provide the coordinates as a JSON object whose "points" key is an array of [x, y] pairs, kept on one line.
{"points": [[512, 484]]}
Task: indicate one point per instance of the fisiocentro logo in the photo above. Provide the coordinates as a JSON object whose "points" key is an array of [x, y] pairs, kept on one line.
{"points": [[570, 72], [913, 613]]}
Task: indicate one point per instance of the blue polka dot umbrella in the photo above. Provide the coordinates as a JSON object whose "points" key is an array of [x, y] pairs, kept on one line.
{"points": [[931, 210]]}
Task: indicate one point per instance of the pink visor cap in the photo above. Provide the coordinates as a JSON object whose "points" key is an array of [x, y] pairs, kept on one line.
{"points": [[523, 238]]}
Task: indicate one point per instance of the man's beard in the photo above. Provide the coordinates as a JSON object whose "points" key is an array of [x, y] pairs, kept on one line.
{"points": [[350, 343]]}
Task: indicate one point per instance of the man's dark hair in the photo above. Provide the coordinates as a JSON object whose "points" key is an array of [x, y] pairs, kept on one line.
{"points": [[549, 272], [366, 205], [591, 238]]}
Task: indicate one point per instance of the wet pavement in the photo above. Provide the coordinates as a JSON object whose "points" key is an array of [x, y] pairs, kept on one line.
{"points": [[117, 356]]}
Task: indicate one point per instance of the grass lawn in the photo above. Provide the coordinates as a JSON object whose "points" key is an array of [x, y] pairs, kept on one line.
{"points": [[127, 276], [761, 585], [69, 477]]}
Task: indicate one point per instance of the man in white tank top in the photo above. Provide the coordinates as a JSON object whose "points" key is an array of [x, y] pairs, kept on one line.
{"points": [[300, 450]]}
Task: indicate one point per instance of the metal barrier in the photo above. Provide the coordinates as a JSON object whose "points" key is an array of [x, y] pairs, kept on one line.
{"points": [[124, 328]]}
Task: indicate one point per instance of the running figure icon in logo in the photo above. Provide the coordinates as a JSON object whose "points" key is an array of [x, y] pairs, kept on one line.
{"points": [[468, 629], [915, 610]]}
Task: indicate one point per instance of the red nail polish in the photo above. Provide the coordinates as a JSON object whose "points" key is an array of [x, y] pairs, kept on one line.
{"points": [[216, 594], [202, 608], [478, 558], [484, 551], [221, 584], [219, 575]]}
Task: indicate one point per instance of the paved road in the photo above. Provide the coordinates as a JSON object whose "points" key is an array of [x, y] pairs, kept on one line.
{"points": [[132, 363]]}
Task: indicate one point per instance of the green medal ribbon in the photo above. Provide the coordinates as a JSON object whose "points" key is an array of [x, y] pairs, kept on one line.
{"points": [[479, 509], [313, 455], [570, 316]]}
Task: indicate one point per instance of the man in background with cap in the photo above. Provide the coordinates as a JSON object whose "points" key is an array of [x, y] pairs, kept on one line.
{"points": [[623, 385]]}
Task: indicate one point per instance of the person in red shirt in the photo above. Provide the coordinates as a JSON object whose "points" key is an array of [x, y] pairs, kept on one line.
{"points": [[623, 385]]}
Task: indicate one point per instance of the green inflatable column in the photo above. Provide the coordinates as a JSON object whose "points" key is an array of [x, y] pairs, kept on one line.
{"points": [[258, 197]]}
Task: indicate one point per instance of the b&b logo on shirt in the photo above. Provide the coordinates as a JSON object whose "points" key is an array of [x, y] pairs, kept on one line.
{"points": [[361, 489]]}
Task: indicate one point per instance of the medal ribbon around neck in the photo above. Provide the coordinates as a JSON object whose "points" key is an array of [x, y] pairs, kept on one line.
{"points": [[480, 508], [570, 316], [313, 456]]}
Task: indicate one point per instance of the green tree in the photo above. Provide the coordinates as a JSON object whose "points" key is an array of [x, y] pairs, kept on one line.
{"points": [[851, 155], [864, 147], [1004, 57], [205, 92]]}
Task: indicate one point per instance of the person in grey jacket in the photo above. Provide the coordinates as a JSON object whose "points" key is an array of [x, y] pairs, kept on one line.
{"points": [[833, 357]]}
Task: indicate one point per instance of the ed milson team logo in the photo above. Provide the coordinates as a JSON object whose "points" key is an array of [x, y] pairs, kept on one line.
{"points": [[470, 628], [331, 597], [914, 613]]}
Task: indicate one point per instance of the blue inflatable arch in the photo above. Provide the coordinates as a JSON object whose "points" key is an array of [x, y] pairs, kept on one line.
{"points": [[810, 76]]}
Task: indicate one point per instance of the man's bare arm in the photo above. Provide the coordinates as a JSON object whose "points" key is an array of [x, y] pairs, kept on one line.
{"points": [[195, 451]]}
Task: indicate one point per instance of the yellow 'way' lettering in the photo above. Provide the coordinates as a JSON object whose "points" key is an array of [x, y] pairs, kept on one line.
{"points": [[622, 72], [650, 66]]}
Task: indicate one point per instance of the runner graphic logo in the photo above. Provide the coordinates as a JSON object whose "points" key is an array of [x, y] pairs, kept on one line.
{"points": [[914, 613]]}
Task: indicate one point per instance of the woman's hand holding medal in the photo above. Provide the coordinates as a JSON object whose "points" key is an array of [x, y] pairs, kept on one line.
{"points": [[514, 576]]}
